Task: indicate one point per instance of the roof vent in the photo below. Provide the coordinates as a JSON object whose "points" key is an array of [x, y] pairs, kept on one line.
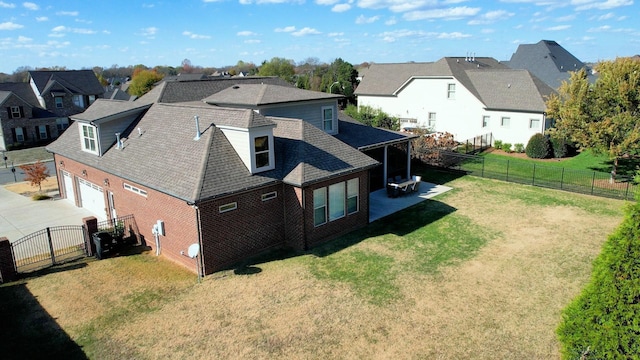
{"points": [[139, 132], [236, 87], [195, 117], [118, 142]]}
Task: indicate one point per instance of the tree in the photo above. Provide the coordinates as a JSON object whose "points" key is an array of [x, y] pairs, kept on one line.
{"points": [[345, 75], [143, 81], [279, 67], [604, 321], [429, 147], [603, 116], [35, 173], [373, 117], [187, 68]]}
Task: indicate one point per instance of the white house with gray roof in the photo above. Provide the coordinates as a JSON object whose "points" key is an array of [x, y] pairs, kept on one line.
{"points": [[467, 97]]}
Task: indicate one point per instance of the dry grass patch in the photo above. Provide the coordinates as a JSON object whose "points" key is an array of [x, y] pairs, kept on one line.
{"points": [[26, 189], [482, 273]]}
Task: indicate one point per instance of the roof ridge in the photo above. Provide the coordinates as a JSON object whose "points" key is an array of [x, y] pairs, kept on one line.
{"points": [[204, 161], [261, 94]]}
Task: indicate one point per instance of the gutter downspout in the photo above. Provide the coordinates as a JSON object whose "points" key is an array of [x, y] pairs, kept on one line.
{"points": [[200, 264]]}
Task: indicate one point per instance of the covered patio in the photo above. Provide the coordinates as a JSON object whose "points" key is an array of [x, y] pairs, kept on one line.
{"points": [[381, 205]]}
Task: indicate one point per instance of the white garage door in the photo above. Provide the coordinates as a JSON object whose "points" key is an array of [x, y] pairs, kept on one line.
{"points": [[92, 198], [67, 183]]}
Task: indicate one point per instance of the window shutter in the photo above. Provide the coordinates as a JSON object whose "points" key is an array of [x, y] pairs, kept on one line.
{"points": [[24, 132], [21, 111], [37, 133], [48, 132], [9, 113], [13, 133]]}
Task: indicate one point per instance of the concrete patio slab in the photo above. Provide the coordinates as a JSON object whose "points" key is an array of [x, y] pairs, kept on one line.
{"points": [[21, 216], [380, 205]]}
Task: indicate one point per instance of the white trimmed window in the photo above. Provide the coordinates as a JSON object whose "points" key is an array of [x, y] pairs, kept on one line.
{"points": [[269, 195], [78, 101], [227, 207], [62, 123], [19, 135], [89, 139], [336, 201], [15, 112], [432, 120], [261, 148], [136, 190], [505, 121], [451, 91], [327, 118], [42, 131], [534, 124], [92, 98], [319, 206], [485, 121], [352, 195], [58, 101]]}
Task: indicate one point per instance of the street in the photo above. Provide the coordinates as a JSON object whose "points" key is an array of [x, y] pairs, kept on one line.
{"points": [[7, 176]]}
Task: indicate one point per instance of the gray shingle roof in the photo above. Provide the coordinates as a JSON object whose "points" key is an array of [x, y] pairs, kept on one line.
{"points": [[363, 137], [102, 108], [22, 90], [183, 91], [76, 81], [166, 158], [252, 95], [547, 60], [486, 78]]}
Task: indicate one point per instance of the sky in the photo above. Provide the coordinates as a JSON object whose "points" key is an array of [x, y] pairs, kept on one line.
{"points": [[217, 33]]}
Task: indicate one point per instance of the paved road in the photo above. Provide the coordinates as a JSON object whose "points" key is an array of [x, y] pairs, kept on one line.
{"points": [[7, 176]]}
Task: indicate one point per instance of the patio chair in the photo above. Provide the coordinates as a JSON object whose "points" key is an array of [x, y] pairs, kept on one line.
{"points": [[416, 184]]}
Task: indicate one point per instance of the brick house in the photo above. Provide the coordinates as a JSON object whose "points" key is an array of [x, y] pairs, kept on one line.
{"points": [[36, 112], [22, 121], [233, 179]]}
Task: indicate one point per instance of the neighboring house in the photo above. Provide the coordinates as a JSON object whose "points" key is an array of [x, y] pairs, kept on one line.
{"points": [[22, 121], [548, 61], [65, 93], [467, 97], [235, 179]]}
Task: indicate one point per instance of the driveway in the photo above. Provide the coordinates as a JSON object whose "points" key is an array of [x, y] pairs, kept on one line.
{"points": [[21, 216]]}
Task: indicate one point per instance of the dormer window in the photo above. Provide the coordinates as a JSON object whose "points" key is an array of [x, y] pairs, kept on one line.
{"points": [[261, 148], [15, 112], [89, 138], [78, 100], [327, 119]]}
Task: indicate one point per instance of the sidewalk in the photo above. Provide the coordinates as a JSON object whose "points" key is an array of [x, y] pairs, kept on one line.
{"points": [[21, 216]]}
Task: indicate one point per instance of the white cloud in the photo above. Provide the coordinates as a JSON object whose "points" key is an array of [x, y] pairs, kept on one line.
{"points": [[10, 26], [246, 33], [63, 29], [31, 6], [149, 32], [558, 28], [149, 6], [260, 2], [341, 8], [67, 13], [286, 29], [491, 17], [365, 20], [600, 5], [565, 18], [306, 31], [24, 39], [487, 31], [195, 36], [392, 36], [252, 41], [455, 13], [453, 35], [6, 5], [327, 2], [391, 21], [334, 34], [42, 18]]}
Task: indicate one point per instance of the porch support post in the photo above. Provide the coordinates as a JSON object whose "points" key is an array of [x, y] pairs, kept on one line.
{"points": [[408, 159], [385, 171]]}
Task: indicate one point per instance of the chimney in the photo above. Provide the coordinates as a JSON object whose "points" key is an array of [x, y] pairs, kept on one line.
{"points": [[195, 117]]}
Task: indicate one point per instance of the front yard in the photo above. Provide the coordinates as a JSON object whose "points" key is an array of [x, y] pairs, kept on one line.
{"points": [[480, 272]]}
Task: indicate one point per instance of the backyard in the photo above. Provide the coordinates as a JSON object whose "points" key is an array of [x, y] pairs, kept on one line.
{"points": [[480, 272]]}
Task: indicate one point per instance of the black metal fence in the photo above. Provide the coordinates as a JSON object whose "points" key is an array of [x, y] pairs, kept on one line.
{"points": [[124, 227], [476, 144], [48, 247], [579, 181]]}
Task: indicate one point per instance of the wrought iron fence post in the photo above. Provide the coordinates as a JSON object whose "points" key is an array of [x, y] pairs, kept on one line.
{"points": [[626, 193], [562, 179], [53, 255], [507, 171], [593, 182], [483, 160], [533, 178]]}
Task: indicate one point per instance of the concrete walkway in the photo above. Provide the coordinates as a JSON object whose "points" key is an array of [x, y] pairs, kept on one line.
{"points": [[380, 205], [21, 216]]}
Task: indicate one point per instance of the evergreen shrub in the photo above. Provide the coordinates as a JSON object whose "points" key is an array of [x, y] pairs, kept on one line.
{"points": [[539, 147]]}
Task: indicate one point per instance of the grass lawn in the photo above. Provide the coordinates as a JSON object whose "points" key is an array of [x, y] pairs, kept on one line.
{"points": [[480, 272]]}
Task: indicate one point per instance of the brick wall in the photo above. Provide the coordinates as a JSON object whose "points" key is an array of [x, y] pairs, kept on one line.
{"points": [[179, 217], [25, 122], [253, 227], [316, 235], [294, 218]]}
